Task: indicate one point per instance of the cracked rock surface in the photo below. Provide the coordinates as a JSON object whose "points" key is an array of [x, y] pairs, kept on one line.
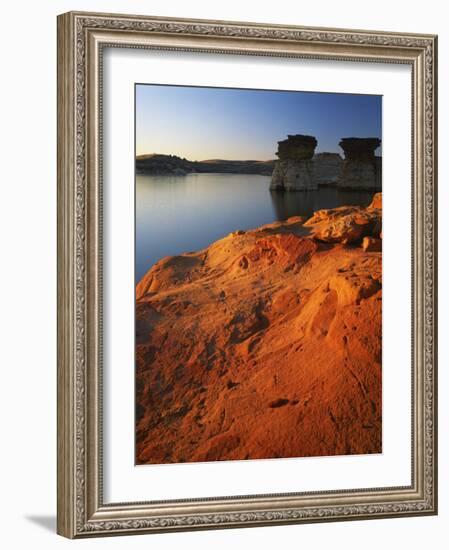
{"points": [[265, 344]]}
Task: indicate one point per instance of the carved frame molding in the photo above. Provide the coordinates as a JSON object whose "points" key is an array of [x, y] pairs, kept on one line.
{"points": [[81, 39]]}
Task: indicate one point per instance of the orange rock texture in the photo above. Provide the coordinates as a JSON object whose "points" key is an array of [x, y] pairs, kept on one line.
{"points": [[266, 344]]}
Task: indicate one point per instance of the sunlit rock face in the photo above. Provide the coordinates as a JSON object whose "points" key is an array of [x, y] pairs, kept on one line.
{"points": [[361, 168], [267, 343], [294, 169]]}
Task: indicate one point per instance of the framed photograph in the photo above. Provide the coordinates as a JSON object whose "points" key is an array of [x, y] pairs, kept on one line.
{"points": [[246, 274]]}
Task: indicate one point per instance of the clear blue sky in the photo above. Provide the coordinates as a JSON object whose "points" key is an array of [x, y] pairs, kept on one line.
{"points": [[205, 123]]}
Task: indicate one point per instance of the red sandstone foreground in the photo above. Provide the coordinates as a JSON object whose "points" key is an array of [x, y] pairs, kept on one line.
{"points": [[266, 344]]}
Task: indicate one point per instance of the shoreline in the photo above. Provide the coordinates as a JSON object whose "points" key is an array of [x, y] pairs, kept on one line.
{"points": [[262, 331]]}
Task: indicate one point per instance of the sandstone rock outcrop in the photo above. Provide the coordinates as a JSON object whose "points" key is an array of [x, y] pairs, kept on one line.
{"points": [[371, 244], [265, 344], [361, 168], [327, 168], [377, 201], [294, 169], [347, 224]]}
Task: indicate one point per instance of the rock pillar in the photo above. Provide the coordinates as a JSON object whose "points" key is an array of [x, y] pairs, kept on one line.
{"points": [[294, 169], [361, 168]]}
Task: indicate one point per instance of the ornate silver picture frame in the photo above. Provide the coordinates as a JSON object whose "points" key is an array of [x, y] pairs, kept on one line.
{"points": [[82, 40]]}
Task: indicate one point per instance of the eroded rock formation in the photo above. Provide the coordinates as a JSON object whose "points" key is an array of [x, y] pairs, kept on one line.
{"points": [[347, 224], [361, 168], [327, 168], [266, 344], [294, 169]]}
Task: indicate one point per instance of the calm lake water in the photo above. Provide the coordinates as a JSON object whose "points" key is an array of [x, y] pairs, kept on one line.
{"points": [[177, 214]]}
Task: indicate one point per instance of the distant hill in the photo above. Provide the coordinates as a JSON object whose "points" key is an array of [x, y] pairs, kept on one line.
{"points": [[172, 164]]}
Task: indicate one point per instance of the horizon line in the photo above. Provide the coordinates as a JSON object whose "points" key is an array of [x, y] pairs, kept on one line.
{"points": [[231, 159]]}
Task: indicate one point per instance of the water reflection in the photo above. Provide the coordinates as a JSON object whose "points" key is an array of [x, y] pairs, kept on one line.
{"points": [[305, 203], [177, 214]]}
